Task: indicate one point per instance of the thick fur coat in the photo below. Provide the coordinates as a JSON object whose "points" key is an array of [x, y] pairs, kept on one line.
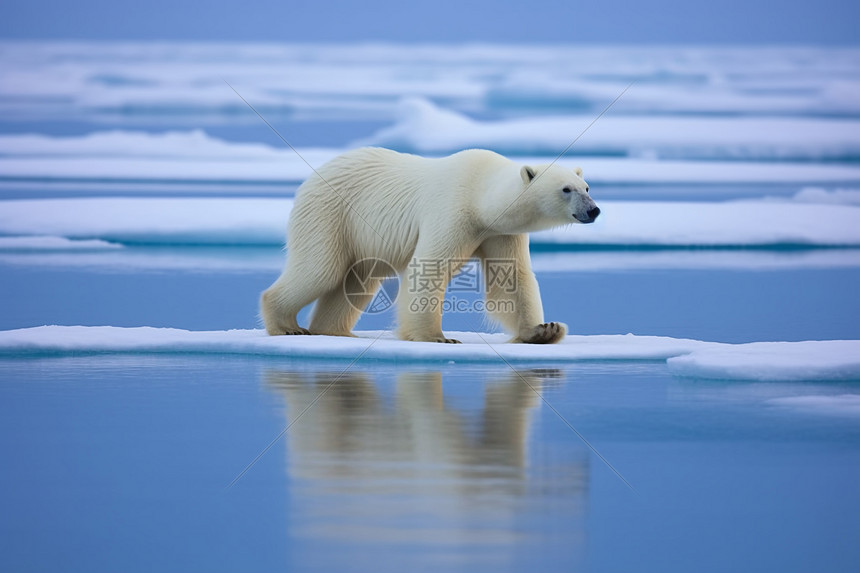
{"points": [[374, 203]]}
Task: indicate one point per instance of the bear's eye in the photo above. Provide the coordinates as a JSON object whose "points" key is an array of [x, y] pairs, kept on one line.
{"points": [[566, 190], [586, 189]]}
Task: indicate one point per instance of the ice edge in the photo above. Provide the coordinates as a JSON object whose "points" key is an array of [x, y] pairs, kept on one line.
{"points": [[763, 361]]}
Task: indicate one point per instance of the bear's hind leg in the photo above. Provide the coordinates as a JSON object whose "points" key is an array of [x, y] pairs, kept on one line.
{"points": [[335, 314], [280, 303]]}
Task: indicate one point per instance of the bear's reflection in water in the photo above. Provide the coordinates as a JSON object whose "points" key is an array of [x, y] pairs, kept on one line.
{"points": [[392, 459]]}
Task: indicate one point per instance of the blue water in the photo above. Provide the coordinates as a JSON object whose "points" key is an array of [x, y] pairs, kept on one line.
{"points": [[125, 462], [717, 305]]}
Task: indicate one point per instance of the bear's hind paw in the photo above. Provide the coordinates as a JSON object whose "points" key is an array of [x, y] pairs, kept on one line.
{"points": [[444, 340], [424, 338], [291, 331], [546, 333]]}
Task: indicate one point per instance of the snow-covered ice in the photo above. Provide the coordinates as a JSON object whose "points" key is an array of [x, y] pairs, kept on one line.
{"points": [[151, 220], [425, 127], [195, 156], [136, 155], [809, 360], [813, 360], [475, 348], [311, 80]]}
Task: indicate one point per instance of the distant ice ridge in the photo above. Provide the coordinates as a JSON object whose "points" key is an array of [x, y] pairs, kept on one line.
{"points": [[227, 221], [85, 79], [814, 360], [427, 128], [199, 221], [194, 156], [174, 145], [141, 156]]}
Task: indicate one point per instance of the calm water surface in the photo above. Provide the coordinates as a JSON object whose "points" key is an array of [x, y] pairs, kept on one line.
{"points": [[124, 463]]}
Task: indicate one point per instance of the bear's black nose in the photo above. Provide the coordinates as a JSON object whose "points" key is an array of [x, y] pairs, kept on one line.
{"points": [[593, 213]]}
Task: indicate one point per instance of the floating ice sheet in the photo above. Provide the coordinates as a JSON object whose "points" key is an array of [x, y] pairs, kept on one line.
{"points": [[814, 360], [809, 360]]}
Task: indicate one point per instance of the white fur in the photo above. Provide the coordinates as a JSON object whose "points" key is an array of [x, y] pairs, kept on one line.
{"points": [[377, 203]]}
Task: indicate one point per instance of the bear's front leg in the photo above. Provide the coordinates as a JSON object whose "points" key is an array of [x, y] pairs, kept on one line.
{"points": [[513, 296]]}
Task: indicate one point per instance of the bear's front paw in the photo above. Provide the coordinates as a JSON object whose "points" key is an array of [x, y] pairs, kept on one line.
{"points": [[546, 333], [447, 340]]}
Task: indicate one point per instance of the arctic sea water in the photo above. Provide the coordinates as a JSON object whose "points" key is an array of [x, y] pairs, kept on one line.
{"points": [[130, 461]]}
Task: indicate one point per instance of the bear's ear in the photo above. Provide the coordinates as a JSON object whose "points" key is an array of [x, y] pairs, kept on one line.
{"points": [[527, 173], [578, 171]]}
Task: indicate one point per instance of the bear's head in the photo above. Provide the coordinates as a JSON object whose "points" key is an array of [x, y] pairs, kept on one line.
{"points": [[563, 194]]}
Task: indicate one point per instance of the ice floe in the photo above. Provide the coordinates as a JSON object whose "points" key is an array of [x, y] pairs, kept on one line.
{"points": [[816, 360], [809, 360]]}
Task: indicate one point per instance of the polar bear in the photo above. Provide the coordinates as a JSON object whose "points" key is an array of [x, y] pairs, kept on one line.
{"points": [[375, 204]]}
